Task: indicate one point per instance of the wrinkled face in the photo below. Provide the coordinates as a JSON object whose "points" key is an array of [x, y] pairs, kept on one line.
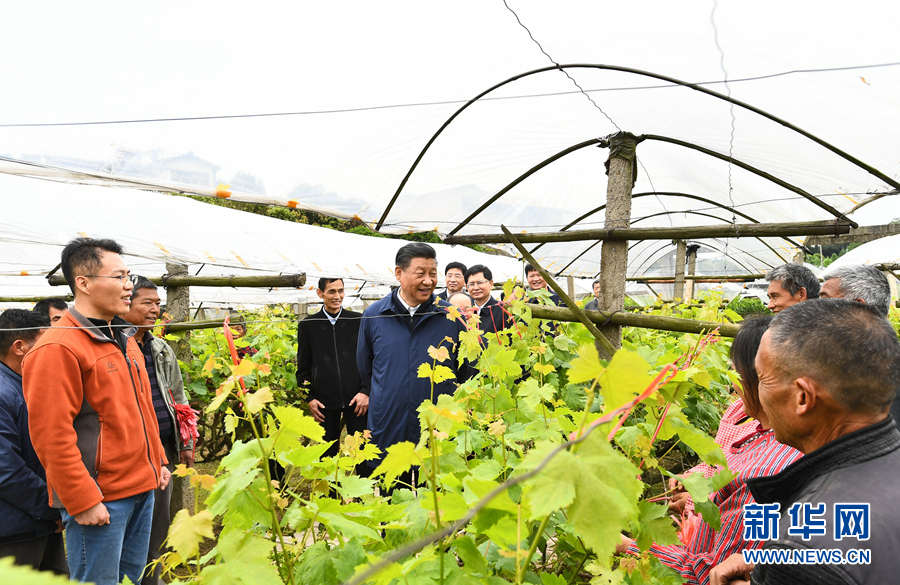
{"points": [[56, 314], [106, 295], [463, 304], [417, 282], [775, 395], [238, 331], [144, 308], [780, 298], [597, 289], [535, 280], [479, 287], [831, 289], [455, 280], [333, 295]]}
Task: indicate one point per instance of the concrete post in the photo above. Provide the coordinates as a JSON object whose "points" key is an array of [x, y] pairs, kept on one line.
{"points": [[570, 286], [680, 252], [178, 300], [892, 283], [620, 168]]}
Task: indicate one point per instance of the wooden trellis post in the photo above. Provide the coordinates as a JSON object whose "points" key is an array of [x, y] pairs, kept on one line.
{"points": [[691, 270], [680, 252], [178, 305], [620, 168]]}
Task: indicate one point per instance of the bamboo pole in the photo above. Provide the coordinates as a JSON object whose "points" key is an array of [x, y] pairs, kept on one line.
{"points": [[574, 308], [66, 298], [637, 320], [806, 228], [177, 280]]}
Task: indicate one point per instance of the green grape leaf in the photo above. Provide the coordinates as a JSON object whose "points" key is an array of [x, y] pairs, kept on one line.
{"points": [[700, 487], [707, 449], [350, 556], [295, 422], [586, 367], [400, 457], [256, 401], [625, 377], [474, 561], [654, 526]]}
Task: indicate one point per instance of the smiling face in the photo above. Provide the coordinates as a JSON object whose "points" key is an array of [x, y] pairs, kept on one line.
{"points": [[535, 280], [333, 296], [479, 287], [780, 298], [597, 289], [455, 280], [776, 395], [144, 309], [103, 296], [417, 282]]}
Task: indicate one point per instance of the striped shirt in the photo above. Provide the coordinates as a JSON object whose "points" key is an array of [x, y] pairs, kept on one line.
{"points": [[166, 429], [755, 453]]}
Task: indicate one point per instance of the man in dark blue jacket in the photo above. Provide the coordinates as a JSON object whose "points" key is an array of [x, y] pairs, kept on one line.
{"points": [[394, 338], [30, 530], [479, 283]]}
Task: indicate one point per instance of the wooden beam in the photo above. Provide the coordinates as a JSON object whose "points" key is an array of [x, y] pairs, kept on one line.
{"points": [[807, 228], [261, 281], [637, 320], [858, 235], [680, 253], [191, 325], [701, 277], [691, 269]]}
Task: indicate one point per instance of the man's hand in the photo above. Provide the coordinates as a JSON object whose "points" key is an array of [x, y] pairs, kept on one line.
{"points": [[361, 401], [624, 543], [315, 407], [731, 571], [164, 476], [679, 498], [59, 527], [96, 515], [187, 457]]}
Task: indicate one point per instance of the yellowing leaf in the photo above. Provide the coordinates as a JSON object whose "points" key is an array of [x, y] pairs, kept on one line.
{"points": [[265, 369], [182, 470], [245, 368], [218, 400], [400, 457], [209, 366], [439, 354], [206, 482], [544, 368], [438, 374], [497, 428], [586, 367], [187, 531], [255, 402]]}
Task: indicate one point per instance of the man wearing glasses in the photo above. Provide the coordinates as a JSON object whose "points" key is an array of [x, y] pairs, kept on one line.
{"points": [[479, 283], [92, 419]]}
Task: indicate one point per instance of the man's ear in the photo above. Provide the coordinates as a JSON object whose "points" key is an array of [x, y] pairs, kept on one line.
{"points": [[320, 293], [807, 395], [397, 272], [20, 348], [804, 296], [83, 284]]}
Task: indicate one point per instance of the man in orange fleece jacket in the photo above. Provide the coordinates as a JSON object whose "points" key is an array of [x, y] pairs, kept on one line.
{"points": [[92, 421]]}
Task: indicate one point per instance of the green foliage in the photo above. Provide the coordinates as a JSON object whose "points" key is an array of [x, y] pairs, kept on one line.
{"points": [[744, 306]]}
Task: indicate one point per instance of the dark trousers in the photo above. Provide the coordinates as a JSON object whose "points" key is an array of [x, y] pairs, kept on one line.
{"points": [[159, 530], [45, 553], [335, 419]]}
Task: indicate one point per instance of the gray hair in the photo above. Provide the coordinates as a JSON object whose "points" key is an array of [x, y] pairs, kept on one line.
{"points": [[863, 282], [846, 346], [793, 277]]}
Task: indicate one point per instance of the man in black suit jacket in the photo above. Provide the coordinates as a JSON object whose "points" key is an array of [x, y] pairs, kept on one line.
{"points": [[326, 364], [479, 283]]}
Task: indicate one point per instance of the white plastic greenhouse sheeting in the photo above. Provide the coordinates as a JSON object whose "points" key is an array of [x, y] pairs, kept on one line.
{"points": [[883, 251], [154, 229], [368, 84]]}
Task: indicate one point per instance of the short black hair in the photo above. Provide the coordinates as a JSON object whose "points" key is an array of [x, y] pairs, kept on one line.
{"points": [[85, 254], [139, 282], [43, 306], [847, 347], [595, 282], [479, 268], [458, 265], [743, 355], [18, 324], [530, 268], [323, 282], [412, 250]]}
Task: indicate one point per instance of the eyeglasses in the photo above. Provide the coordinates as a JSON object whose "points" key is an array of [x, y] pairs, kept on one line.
{"points": [[121, 277], [478, 282]]}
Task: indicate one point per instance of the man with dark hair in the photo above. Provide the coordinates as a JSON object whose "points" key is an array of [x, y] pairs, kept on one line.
{"points": [[53, 309], [828, 371], [594, 303], [859, 282], [479, 283], [326, 365], [30, 530], [92, 419], [790, 284], [394, 338], [455, 278], [536, 282], [167, 389]]}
